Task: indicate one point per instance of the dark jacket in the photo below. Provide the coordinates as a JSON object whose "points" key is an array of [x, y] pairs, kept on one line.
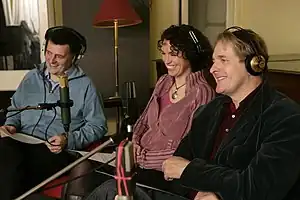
{"points": [[258, 160]]}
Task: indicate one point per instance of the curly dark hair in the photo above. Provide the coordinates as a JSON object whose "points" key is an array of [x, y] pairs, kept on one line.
{"points": [[181, 41]]}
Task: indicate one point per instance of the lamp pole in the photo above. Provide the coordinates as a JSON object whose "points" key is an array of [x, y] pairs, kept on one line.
{"points": [[116, 54], [116, 68], [115, 14]]}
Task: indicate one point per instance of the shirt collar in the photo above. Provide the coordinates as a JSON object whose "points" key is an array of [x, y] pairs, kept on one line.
{"points": [[245, 102]]}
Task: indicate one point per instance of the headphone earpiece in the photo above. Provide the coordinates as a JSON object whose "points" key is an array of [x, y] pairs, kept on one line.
{"points": [[80, 56], [255, 63], [44, 47]]}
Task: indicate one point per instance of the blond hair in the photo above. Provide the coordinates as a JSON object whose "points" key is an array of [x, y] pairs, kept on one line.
{"points": [[245, 42]]}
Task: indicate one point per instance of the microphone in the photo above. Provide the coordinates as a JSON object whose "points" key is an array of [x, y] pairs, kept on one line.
{"points": [[126, 128], [130, 108], [65, 103], [125, 171]]}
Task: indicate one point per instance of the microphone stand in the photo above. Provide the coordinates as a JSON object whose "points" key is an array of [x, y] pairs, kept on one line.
{"points": [[20, 109], [40, 106], [67, 168]]}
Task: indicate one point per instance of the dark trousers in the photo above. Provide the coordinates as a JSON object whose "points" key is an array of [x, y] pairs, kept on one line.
{"points": [[149, 178], [23, 166], [108, 191]]}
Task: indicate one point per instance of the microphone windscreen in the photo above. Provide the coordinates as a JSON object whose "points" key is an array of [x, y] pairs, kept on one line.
{"points": [[125, 169], [130, 100], [65, 102]]}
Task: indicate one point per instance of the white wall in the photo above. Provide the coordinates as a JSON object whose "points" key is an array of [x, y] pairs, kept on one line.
{"points": [[163, 13], [276, 20], [215, 19], [11, 79], [197, 13], [209, 16]]}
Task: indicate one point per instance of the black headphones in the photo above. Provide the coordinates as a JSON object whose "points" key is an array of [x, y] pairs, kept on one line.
{"points": [[81, 39], [256, 64], [204, 53], [197, 43]]}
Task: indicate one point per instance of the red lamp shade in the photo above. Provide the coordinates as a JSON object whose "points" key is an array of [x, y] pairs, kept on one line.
{"points": [[116, 10]]}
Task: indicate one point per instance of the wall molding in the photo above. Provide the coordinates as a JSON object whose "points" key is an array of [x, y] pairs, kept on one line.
{"points": [[215, 24], [288, 63]]}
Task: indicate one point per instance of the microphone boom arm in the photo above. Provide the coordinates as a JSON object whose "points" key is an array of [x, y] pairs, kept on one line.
{"points": [[40, 106]]}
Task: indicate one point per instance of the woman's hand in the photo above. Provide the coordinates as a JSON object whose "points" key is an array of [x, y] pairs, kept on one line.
{"points": [[206, 196]]}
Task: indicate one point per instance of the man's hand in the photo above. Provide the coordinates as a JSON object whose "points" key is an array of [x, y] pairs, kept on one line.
{"points": [[57, 143], [173, 167], [206, 196], [10, 129]]}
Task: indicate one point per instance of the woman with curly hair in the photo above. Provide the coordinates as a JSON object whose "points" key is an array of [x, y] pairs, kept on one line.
{"points": [[169, 113], [168, 116]]}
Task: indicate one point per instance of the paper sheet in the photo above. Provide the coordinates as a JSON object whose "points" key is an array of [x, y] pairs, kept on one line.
{"points": [[100, 157], [21, 137]]}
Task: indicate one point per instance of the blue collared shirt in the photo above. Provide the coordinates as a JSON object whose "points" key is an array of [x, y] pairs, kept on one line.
{"points": [[48, 78]]}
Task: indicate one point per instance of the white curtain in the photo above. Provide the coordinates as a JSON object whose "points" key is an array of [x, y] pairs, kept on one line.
{"points": [[7, 11], [22, 10]]}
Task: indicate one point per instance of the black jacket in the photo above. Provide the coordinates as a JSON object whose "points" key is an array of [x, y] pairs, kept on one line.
{"points": [[258, 160]]}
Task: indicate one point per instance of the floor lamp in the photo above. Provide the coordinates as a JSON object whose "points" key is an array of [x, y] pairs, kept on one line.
{"points": [[115, 14]]}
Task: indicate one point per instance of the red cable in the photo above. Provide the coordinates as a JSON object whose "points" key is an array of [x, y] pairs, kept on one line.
{"points": [[120, 173], [119, 157]]}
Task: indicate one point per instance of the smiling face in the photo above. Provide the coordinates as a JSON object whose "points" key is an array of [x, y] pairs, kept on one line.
{"points": [[176, 65], [229, 70], [58, 58]]}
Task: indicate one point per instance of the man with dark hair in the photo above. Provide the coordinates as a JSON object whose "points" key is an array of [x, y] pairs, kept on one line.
{"points": [[25, 165], [245, 143]]}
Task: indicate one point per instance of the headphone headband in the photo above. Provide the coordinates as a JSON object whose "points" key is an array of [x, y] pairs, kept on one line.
{"points": [[255, 63], [196, 41], [245, 36]]}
